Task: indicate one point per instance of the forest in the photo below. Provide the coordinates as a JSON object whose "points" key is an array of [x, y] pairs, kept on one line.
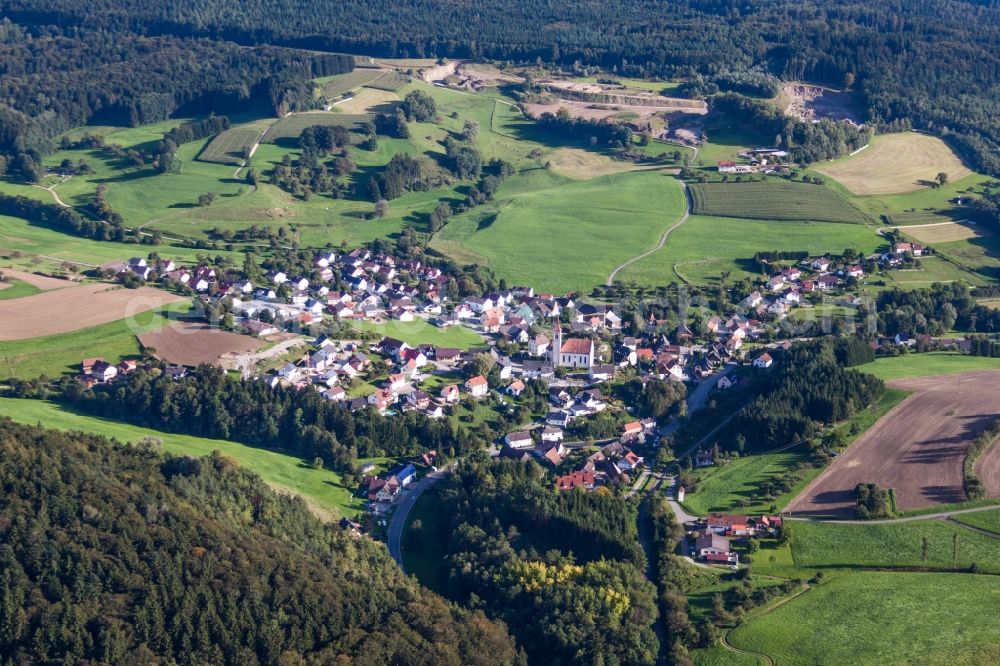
{"points": [[562, 570], [117, 555], [934, 311], [208, 403], [811, 383], [932, 62]]}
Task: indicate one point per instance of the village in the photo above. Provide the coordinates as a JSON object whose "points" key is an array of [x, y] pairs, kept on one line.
{"points": [[555, 361]]}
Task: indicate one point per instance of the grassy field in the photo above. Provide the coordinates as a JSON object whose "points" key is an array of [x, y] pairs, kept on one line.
{"points": [[927, 364], [891, 545], [419, 332], [720, 656], [424, 551], [883, 618], [55, 355], [985, 520], [322, 489], [773, 199], [291, 126], [703, 247], [230, 146], [568, 237], [19, 237], [725, 488], [894, 163], [17, 289]]}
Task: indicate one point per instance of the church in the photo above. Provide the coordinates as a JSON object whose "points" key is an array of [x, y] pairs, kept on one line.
{"points": [[573, 353]]}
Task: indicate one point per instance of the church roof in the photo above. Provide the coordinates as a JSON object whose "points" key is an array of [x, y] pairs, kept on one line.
{"points": [[577, 346]]}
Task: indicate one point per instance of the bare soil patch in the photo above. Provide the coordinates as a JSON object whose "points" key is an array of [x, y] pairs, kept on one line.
{"points": [[194, 343], [988, 469], [75, 307], [917, 449], [944, 232], [815, 103], [43, 282]]}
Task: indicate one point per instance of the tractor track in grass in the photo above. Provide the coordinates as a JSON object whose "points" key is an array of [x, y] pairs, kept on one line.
{"points": [[663, 237]]}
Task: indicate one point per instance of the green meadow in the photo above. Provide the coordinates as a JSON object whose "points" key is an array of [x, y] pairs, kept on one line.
{"points": [[882, 618], [419, 332], [322, 489], [572, 235], [927, 364], [704, 247], [984, 520], [17, 289]]}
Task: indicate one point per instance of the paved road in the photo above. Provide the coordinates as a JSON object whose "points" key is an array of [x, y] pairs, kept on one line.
{"points": [[402, 510], [697, 398], [663, 238]]}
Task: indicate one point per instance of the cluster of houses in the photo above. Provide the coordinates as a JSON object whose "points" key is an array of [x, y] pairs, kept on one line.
{"points": [[713, 537], [757, 160], [95, 371], [613, 464]]}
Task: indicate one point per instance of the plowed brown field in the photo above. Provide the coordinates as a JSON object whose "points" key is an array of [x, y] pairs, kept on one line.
{"points": [[918, 448], [193, 343], [75, 307]]}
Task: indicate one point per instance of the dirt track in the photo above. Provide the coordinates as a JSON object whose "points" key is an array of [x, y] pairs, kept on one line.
{"points": [[43, 282], [193, 343], [75, 307], [917, 449]]}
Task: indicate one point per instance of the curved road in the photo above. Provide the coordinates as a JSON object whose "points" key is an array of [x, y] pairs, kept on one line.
{"points": [[663, 238], [402, 510]]}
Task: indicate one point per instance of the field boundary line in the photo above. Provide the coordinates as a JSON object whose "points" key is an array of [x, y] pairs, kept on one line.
{"points": [[972, 528], [770, 660]]}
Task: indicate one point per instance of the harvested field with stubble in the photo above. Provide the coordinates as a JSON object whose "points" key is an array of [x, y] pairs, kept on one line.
{"points": [[76, 307], [944, 232], [193, 343], [895, 163], [917, 449]]}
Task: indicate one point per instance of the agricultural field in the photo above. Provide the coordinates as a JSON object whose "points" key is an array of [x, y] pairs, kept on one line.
{"points": [[571, 236], [580, 164], [875, 618], [944, 232], [193, 343], [55, 355], [917, 449], [231, 146], [291, 126], [369, 100], [419, 332], [321, 489], [704, 247], [927, 364], [899, 544], [13, 288], [984, 520], [75, 307], [335, 86], [773, 199], [393, 81], [895, 163]]}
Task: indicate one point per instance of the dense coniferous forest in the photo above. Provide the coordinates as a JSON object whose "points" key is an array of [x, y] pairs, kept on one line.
{"points": [[934, 62], [563, 570], [117, 555], [207, 403], [53, 78], [810, 384]]}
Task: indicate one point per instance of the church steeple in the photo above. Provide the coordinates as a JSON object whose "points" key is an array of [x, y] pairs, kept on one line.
{"points": [[556, 343]]}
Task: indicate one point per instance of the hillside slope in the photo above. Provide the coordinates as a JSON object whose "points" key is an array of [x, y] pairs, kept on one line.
{"points": [[112, 554]]}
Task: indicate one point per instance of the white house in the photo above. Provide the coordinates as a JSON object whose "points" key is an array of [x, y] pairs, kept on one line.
{"points": [[763, 361]]}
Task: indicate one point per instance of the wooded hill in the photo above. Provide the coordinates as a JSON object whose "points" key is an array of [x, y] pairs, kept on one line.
{"points": [[934, 62], [117, 555]]}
